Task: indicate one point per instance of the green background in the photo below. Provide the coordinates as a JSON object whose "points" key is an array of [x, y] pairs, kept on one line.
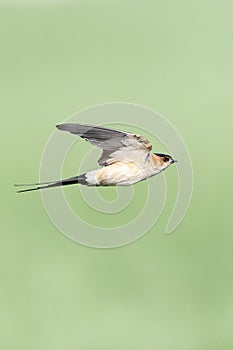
{"points": [[163, 291]]}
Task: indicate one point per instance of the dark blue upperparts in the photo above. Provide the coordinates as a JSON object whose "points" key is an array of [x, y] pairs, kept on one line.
{"points": [[161, 155]]}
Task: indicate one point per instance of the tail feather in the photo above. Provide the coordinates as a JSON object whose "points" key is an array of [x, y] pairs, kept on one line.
{"points": [[81, 179], [35, 184]]}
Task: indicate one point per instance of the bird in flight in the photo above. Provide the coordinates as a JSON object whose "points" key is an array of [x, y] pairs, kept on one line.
{"points": [[126, 158]]}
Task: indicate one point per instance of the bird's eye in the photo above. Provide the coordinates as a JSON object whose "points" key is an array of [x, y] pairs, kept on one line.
{"points": [[166, 159]]}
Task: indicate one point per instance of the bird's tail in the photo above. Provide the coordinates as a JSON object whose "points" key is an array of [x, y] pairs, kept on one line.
{"points": [[81, 179]]}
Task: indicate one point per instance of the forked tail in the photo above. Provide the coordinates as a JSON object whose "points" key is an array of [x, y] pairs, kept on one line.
{"points": [[81, 179]]}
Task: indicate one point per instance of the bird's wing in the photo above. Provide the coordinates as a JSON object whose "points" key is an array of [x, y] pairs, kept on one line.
{"points": [[116, 145]]}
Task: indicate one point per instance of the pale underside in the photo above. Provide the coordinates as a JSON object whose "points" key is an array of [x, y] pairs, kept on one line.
{"points": [[121, 173]]}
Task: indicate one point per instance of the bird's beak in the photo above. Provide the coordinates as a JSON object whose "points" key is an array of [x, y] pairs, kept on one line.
{"points": [[174, 161]]}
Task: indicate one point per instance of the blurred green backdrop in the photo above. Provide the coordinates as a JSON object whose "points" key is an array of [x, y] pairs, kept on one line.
{"points": [[161, 292]]}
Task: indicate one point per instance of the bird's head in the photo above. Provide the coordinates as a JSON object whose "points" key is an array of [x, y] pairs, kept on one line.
{"points": [[162, 161]]}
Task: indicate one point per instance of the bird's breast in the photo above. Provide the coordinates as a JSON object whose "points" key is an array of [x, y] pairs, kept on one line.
{"points": [[121, 173]]}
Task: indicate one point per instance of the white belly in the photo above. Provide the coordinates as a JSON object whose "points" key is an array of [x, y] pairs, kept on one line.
{"points": [[120, 173]]}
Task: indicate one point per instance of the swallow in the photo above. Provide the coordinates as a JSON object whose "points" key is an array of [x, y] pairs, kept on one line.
{"points": [[126, 158]]}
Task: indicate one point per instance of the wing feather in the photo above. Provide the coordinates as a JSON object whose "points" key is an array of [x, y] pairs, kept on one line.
{"points": [[116, 145]]}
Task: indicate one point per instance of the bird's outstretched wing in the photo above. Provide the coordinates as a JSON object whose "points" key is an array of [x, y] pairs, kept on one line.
{"points": [[116, 145]]}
